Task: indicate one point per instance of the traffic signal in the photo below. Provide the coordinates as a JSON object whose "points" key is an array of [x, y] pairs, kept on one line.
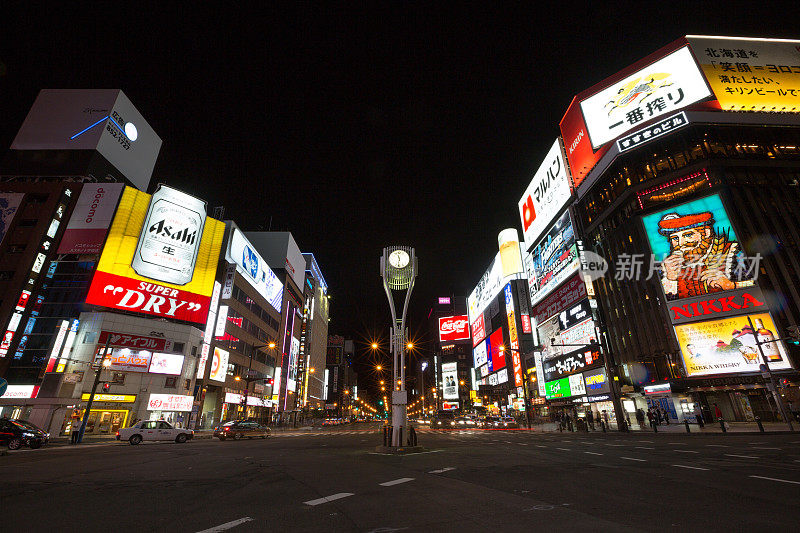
{"points": [[380, 402], [106, 387], [794, 334]]}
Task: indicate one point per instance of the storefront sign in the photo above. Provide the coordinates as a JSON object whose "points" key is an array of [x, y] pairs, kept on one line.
{"points": [[453, 328], [750, 74], [170, 402], [120, 398], [568, 294], [165, 268], [513, 338], [596, 382], [20, 391], [537, 358], [571, 362], [546, 195], [128, 360], [553, 260], [138, 342], [729, 345], [661, 388]]}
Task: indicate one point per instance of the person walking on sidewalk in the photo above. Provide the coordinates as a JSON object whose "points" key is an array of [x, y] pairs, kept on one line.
{"points": [[650, 418], [590, 419], [717, 412], [665, 415], [75, 430], [640, 417]]}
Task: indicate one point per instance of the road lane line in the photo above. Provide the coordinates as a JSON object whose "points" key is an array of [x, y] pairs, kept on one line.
{"points": [[617, 445], [692, 467], [330, 498], [645, 447], [685, 451], [564, 449], [540, 446], [396, 481], [445, 469], [718, 445], [593, 453], [776, 479], [227, 525], [634, 459], [764, 448], [742, 456]]}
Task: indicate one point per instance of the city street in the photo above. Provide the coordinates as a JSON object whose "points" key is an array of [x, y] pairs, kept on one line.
{"points": [[333, 480]]}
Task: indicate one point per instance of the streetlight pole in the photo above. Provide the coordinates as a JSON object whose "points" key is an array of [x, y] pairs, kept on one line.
{"points": [[105, 362], [773, 385]]}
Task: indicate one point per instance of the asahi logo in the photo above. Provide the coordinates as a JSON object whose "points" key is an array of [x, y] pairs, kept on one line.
{"points": [[163, 229]]}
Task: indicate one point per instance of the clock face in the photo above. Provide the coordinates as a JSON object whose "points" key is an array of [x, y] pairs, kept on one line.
{"points": [[398, 259]]}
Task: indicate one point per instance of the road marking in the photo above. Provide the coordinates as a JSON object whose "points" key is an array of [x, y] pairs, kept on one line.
{"points": [[227, 525], [692, 467], [593, 453], [651, 442], [634, 459], [327, 499], [645, 447], [742, 456], [522, 443], [616, 445], [563, 449], [396, 481], [678, 443], [685, 451], [718, 445], [540, 446], [764, 448], [445, 469], [776, 479]]}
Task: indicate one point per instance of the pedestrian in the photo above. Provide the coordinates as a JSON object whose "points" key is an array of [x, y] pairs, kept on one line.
{"points": [[569, 421], [717, 412], [651, 418], [75, 430], [640, 417], [657, 414], [666, 415], [590, 419]]}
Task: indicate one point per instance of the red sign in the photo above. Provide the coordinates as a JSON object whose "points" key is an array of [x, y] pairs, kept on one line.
{"points": [[573, 290], [526, 323], [454, 328], [478, 330], [577, 146], [498, 357], [447, 406], [139, 342], [126, 294], [709, 306]]}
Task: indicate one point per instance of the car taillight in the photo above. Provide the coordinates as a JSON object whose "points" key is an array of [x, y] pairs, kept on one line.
{"points": [[227, 429], [117, 433]]}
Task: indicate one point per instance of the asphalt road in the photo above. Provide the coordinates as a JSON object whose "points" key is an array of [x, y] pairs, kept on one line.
{"points": [[333, 480]]}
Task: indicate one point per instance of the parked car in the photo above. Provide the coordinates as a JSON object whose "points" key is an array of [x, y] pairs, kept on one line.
{"points": [[238, 429], [154, 430], [16, 433]]}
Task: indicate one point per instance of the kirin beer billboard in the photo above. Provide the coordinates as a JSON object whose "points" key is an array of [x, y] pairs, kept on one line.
{"points": [[160, 257]]}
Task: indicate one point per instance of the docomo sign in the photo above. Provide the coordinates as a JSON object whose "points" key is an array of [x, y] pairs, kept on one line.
{"points": [[170, 402], [548, 192], [454, 328]]}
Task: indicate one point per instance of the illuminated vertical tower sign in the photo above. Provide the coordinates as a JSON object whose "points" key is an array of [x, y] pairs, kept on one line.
{"points": [[398, 270]]}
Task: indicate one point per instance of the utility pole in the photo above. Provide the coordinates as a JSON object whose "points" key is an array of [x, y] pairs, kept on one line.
{"points": [[104, 362], [773, 384]]}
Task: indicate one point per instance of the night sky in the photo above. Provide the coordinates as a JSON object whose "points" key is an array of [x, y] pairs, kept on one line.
{"points": [[357, 130]]}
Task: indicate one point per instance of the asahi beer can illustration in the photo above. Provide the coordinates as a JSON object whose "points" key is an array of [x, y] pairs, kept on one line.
{"points": [[170, 237]]}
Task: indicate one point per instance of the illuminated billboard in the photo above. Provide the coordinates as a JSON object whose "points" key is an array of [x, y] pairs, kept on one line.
{"points": [[698, 247], [750, 74], [219, 365], [453, 328], [169, 402], [728, 345], [553, 260], [671, 83], [9, 203], [513, 338], [166, 363], [253, 267], [478, 330], [449, 381], [165, 268], [489, 286], [87, 227], [497, 357], [547, 194]]}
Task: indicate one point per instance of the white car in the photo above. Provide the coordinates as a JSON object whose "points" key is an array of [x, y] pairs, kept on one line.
{"points": [[154, 430]]}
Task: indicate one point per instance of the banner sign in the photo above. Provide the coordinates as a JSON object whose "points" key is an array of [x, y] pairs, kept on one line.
{"points": [[169, 402], [714, 306], [575, 314], [139, 342], [568, 294], [571, 362], [253, 267], [478, 330], [91, 217], [449, 381]]}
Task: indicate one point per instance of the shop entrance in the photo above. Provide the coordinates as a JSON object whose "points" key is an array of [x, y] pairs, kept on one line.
{"points": [[101, 421]]}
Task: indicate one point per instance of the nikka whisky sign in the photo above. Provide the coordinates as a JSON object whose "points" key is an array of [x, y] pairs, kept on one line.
{"points": [[717, 305]]}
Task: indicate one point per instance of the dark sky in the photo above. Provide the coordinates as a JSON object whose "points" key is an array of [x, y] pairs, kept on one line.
{"points": [[355, 130]]}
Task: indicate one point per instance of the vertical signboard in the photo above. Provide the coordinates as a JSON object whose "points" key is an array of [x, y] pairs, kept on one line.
{"points": [[449, 381], [88, 225], [9, 203], [513, 338]]}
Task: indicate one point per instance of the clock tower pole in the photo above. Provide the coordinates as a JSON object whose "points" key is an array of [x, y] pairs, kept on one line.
{"points": [[398, 270]]}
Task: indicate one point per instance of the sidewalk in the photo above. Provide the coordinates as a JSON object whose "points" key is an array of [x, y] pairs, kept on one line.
{"points": [[678, 428]]}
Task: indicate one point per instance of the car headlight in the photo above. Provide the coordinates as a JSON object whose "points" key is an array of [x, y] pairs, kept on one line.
{"points": [[452, 423], [461, 422], [27, 434]]}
